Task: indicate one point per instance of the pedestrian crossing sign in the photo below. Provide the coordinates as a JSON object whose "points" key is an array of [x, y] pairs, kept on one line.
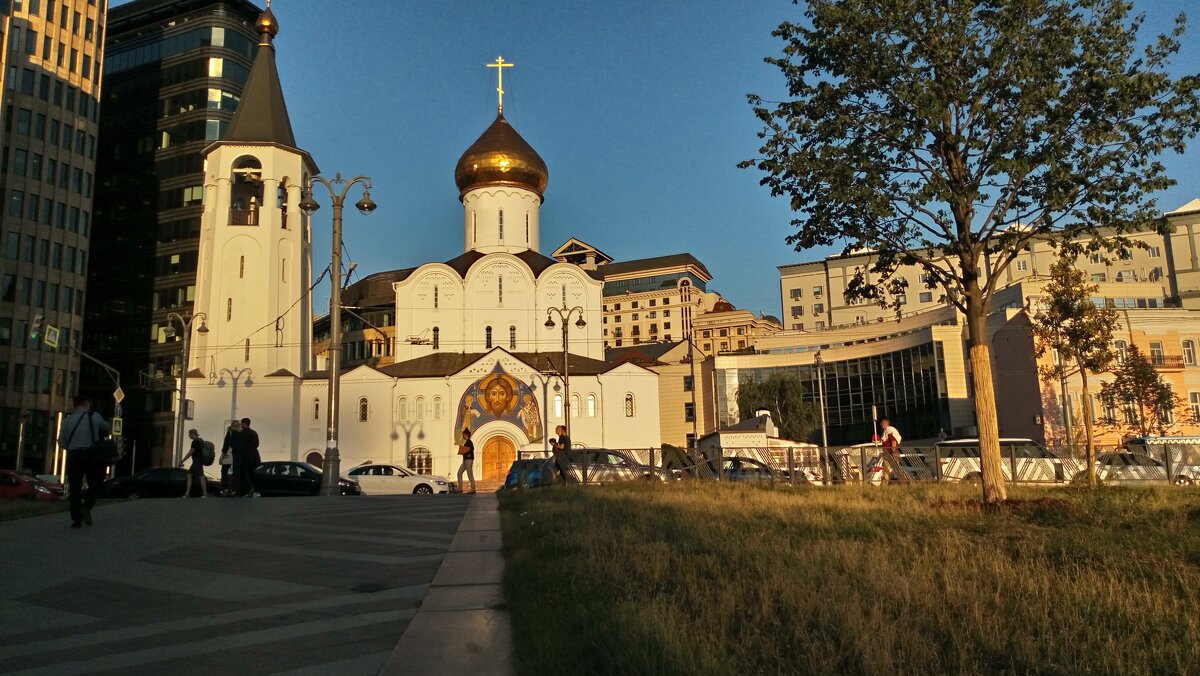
{"points": [[51, 337]]}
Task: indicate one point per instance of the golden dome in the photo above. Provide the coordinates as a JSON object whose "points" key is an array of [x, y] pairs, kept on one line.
{"points": [[267, 23], [501, 157]]}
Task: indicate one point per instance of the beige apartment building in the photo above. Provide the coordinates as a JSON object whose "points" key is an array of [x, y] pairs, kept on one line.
{"points": [[726, 329]]}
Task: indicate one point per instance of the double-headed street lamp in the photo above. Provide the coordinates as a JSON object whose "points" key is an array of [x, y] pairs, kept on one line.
{"points": [[544, 379], [235, 375], [186, 323], [309, 206], [564, 317]]}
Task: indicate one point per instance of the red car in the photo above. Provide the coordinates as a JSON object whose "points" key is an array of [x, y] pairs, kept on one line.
{"points": [[17, 485]]}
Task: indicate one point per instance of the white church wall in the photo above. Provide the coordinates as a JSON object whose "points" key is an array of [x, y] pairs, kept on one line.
{"points": [[482, 227], [632, 414], [432, 297]]}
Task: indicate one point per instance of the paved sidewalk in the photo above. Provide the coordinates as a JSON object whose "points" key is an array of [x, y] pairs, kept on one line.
{"points": [[462, 626], [225, 585]]}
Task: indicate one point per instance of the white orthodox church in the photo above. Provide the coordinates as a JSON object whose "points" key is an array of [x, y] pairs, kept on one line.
{"points": [[489, 361]]}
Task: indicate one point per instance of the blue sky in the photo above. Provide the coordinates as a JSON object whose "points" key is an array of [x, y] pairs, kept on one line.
{"points": [[638, 108]]}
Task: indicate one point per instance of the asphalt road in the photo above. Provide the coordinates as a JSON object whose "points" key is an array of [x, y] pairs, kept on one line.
{"points": [[221, 585]]}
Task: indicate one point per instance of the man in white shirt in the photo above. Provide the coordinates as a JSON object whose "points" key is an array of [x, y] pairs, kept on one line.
{"points": [[80, 430], [891, 453]]}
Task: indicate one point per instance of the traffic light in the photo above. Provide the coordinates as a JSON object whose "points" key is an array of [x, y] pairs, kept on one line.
{"points": [[35, 331]]}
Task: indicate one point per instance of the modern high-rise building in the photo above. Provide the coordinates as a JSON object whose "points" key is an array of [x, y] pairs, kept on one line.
{"points": [[173, 79], [50, 99]]}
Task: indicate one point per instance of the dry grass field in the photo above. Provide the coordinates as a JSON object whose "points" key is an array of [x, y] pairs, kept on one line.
{"points": [[728, 579]]}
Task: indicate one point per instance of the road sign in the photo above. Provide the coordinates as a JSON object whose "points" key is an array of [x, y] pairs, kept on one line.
{"points": [[118, 426], [189, 410], [119, 395], [51, 337]]}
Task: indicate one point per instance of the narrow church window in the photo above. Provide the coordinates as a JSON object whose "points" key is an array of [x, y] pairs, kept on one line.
{"points": [[435, 298], [574, 405], [591, 404], [363, 409], [241, 267], [437, 337], [419, 408], [247, 350], [283, 270], [628, 405], [501, 225], [564, 296], [228, 309], [527, 228], [437, 408], [558, 405], [474, 227], [402, 408], [500, 289], [512, 337], [420, 460], [488, 338], [316, 409]]}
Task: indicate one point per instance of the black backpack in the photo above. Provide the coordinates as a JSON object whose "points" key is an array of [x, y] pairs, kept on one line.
{"points": [[207, 452]]}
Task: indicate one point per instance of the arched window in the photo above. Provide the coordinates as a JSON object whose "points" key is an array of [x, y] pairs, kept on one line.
{"points": [[527, 228], [487, 338], [364, 409], [501, 225], [474, 227], [420, 460], [574, 405], [316, 408], [402, 408], [419, 408], [500, 289], [558, 402], [591, 406], [437, 337], [315, 458], [629, 405], [437, 408], [512, 337]]}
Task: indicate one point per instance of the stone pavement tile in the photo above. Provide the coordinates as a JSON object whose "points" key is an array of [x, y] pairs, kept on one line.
{"points": [[470, 568], [474, 642], [476, 541], [464, 597]]}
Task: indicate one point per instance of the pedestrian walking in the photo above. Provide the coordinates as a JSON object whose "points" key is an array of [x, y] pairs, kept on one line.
{"points": [[235, 446], [250, 461], [226, 461], [562, 462], [80, 431], [467, 450], [891, 452], [196, 471]]}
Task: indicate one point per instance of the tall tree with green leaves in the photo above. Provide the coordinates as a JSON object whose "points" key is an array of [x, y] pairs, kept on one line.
{"points": [[784, 396], [936, 133], [1079, 335], [1141, 402]]}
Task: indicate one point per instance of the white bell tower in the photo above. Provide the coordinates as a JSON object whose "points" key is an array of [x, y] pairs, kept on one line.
{"points": [[255, 262]]}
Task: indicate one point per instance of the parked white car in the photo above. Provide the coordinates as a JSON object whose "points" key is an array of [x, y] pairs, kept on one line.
{"points": [[395, 480], [1138, 467]]}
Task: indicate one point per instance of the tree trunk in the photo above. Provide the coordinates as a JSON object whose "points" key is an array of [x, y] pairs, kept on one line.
{"points": [[985, 403], [1087, 428]]}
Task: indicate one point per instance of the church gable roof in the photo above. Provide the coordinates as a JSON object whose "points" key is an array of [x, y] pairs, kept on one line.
{"points": [[441, 364], [537, 262]]}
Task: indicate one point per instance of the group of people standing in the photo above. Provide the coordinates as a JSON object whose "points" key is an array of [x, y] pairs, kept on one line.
{"points": [[239, 458]]}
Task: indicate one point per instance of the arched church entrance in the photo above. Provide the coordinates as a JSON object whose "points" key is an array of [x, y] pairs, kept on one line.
{"points": [[498, 456]]}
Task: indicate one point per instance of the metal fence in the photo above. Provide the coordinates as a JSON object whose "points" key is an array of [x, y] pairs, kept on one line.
{"points": [[950, 462]]}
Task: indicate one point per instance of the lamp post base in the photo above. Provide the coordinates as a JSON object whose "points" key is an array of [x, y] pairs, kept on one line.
{"points": [[333, 471]]}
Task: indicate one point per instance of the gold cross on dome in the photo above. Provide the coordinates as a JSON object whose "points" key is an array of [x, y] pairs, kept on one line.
{"points": [[500, 65]]}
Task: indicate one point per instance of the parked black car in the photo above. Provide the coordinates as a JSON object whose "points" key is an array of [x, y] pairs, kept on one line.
{"points": [[285, 477], [156, 482]]}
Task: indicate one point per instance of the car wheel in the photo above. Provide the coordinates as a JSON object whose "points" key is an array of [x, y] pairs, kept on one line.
{"points": [[974, 478], [1182, 481], [133, 495], [423, 489]]}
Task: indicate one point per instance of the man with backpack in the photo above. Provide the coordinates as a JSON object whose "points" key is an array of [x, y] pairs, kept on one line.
{"points": [[201, 453]]}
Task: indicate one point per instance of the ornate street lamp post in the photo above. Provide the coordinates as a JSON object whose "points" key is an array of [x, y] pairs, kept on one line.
{"points": [[564, 317], [235, 375], [186, 323], [309, 206]]}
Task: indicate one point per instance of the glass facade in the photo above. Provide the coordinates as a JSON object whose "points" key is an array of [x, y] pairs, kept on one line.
{"points": [[906, 386]]}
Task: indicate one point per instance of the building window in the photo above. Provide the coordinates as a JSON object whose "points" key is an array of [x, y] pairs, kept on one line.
{"points": [[1189, 352], [402, 408], [437, 408], [527, 228], [487, 338], [512, 337], [474, 227], [437, 337], [819, 308], [1194, 402], [420, 460], [316, 408], [241, 267], [1156, 353], [363, 409], [629, 405], [574, 405], [500, 289], [1022, 266], [818, 291], [564, 295], [1120, 346], [688, 383], [501, 225], [926, 297], [591, 406], [1154, 252], [435, 297], [689, 412], [558, 406], [228, 309], [419, 408], [247, 355], [1099, 277]]}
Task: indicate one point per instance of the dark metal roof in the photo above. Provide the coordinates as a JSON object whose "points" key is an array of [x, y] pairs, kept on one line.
{"points": [[537, 262], [375, 289], [641, 354], [654, 263], [262, 115], [448, 363]]}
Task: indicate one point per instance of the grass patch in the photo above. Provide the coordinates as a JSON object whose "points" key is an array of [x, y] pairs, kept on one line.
{"points": [[21, 509], [721, 579]]}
